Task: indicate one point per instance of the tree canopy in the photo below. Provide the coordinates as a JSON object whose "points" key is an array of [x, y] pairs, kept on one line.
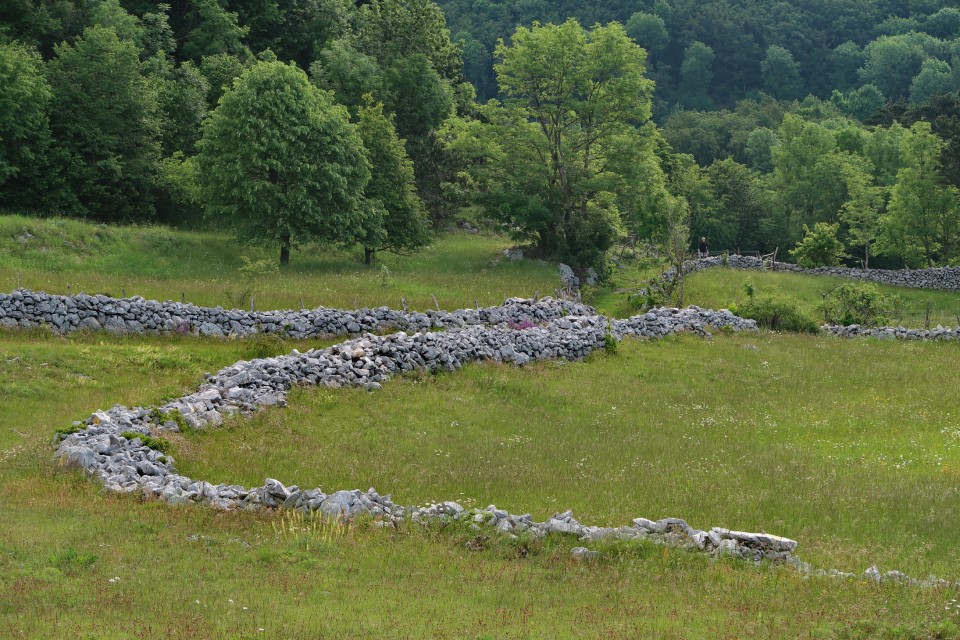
{"points": [[565, 158], [280, 162]]}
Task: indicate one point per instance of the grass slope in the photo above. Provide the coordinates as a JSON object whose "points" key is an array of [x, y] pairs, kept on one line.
{"points": [[719, 288], [76, 563], [852, 448], [159, 263]]}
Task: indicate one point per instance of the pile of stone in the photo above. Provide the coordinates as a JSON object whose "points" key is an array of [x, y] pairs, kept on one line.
{"points": [[112, 446], [662, 321], [940, 278], [63, 314]]}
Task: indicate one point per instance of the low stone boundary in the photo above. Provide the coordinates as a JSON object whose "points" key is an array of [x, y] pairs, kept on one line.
{"points": [[124, 463], [63, 314], [939, 278], [892, 333]]}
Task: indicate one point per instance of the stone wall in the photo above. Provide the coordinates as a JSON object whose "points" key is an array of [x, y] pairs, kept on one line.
{"points": [[125, 464], [63, 314], [940, 278]]}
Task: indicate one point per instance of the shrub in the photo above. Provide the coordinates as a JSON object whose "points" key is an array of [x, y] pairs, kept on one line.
{"points": [[609, 343], [777, 314], [859, 303], [819, 247], [157, 444], [63, 432]]}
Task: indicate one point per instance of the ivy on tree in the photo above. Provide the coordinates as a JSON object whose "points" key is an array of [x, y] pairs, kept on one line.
{"points": [[280, 163]]}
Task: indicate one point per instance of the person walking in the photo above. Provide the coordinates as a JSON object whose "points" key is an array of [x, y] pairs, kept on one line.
{"points": [[704, 251]]}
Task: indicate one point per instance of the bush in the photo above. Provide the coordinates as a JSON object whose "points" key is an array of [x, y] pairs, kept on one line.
{"points": [[776, 314], [859, 303], [157, 444], [819, 247], [609, 343]]}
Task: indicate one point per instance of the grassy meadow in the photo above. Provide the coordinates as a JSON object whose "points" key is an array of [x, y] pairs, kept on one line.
{"points": [[161, 264], [719, 288], [859, 465], [850, 447]]}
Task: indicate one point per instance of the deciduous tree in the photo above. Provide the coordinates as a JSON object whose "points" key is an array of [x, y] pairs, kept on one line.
{"points": [[280, 163], [396, 220]]}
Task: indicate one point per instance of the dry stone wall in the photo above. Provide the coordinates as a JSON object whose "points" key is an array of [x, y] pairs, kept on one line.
{"points": [[124, 463], [63, 314], [940, 278]]}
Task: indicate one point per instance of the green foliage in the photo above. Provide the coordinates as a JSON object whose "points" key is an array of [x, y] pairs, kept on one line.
{"points": [[71, 560], [157, 444], [649, 30], [280, 163], [418, 96], [777, 313], [217, 31], [696, 74], [63, 432], [922, 224], [104, 121], [860, 103], [935, 77], [890, 64], [781, 74], [392, 30], [24, 126], [396, 220], [348, 73], [562, 160], [859, 303], [819, 247], [610, 344], [295, 30]]}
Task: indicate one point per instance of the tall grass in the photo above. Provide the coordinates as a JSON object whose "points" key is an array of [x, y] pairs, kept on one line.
{"points": [[62, 255], [77, 563], [851, 447]]}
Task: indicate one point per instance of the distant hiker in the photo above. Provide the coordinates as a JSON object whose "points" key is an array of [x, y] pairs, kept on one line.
{"points": [[704, 251]]}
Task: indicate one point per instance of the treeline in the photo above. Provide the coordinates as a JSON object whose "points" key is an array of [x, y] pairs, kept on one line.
{"points": [[103, 104], [712, 53], [324, 120]]}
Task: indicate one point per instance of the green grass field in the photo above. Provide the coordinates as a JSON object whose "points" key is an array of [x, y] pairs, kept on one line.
{"points": [[719, 288], [794, 435], [161, 264], [850, 447]]}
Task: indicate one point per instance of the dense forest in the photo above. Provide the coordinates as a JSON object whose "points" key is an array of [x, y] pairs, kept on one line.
{"points": [[827, 127]]}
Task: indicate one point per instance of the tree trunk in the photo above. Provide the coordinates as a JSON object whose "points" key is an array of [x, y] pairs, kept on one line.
{"points": [[866, 256], [284, 249], [368, 255]]}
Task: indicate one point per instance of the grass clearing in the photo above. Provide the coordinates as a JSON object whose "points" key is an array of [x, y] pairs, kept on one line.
{"points": [[850, 447], [77, 563], [719, 288], [159, 263]]}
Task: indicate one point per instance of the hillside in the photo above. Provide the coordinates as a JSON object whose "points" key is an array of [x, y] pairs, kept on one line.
{"points": [[162, 263]]}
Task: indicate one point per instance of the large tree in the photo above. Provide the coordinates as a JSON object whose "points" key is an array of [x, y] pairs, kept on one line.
{"points": [[24, 127], [564, 159], [280, 162], [922, 224], [104, 119], [396, 219]]}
